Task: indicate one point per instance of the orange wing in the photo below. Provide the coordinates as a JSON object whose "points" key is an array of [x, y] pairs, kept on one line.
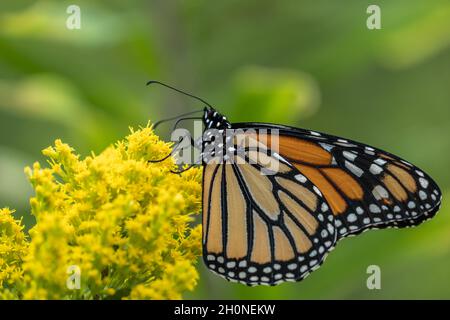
{"points": [[364, 187], [260, 228]]}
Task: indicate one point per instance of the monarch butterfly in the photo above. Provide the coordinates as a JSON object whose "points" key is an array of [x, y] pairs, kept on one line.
{"points": [[264, 229]]}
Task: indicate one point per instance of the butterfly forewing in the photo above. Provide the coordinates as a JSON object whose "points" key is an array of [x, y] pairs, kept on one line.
{"points": [[365, 187]]}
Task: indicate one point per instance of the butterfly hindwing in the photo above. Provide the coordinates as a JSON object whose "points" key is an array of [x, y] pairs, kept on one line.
{"points": [[262, 227]]}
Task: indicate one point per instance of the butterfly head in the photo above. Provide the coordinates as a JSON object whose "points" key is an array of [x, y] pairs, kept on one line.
{"points": [[214, 120]]}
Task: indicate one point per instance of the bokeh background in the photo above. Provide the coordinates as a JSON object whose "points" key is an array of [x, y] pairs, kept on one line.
{"points": [[312, 64]]}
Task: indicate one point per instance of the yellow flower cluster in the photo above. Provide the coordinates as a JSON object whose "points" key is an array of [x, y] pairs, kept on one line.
{"points": [[124, 225], [13, 248]]}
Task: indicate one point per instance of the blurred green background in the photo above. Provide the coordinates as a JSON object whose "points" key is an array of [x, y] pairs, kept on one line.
{"points": [[312, 64]]}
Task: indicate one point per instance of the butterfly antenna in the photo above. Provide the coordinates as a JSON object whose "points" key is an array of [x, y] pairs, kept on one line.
{"points": [[174, 148], [179, 118], [175, 126], [157, 123], [178, 90], [185, 169]]}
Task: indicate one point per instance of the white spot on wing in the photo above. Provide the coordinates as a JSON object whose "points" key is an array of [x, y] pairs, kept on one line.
{"points": [[349, 155], [374, 208], [326, 146], [301, 178], [292, 266], [317, 190], [375, 169], [330, 228], [380, 161], [423, 182], [422, 195], [354, 169]]}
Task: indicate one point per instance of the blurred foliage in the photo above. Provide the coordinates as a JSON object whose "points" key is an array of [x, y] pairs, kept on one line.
{"points": [[312, 64], [278, 95]]}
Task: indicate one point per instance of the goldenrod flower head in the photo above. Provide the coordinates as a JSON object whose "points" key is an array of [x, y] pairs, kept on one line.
{"points": [[124, 222], [13, 248]]}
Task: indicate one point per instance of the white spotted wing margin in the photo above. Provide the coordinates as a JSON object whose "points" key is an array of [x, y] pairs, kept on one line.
{"points": [[395, 192], [263, 229]]}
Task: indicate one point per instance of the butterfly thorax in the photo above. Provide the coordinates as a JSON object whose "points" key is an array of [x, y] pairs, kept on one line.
{"points": [[214, 120]]}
